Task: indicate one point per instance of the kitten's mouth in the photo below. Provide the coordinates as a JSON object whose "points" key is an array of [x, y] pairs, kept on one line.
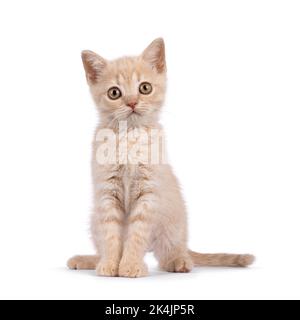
{"points": [[134, 112]]}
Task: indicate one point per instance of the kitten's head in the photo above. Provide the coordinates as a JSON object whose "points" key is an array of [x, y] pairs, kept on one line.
{"points": [[131, 88]]}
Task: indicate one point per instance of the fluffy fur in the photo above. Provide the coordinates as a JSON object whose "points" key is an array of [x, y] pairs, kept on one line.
{"points": [[137, 207]]}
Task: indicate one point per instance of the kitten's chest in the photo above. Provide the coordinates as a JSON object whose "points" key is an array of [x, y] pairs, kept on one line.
{"points": [[130, 181]]}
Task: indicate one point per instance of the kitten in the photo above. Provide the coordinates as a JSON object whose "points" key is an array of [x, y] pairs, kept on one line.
{"points": [[138, 206]]}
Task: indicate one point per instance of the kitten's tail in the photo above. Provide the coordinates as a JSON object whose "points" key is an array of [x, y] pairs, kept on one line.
{"points": [[221, 259]]}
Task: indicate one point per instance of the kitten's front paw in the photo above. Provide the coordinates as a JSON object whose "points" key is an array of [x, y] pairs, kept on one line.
{"points": [[133, 269], [183, 264], [107, 268]]}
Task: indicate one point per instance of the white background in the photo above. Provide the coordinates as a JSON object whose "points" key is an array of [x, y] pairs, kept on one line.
{"points": [[232, 119]]}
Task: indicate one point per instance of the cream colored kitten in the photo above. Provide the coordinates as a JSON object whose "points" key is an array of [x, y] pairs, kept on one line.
{"points": [[138, 206]]}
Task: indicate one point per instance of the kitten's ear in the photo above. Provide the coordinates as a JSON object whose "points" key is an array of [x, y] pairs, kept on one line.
{"points": [[155, 55], [93, 65]]}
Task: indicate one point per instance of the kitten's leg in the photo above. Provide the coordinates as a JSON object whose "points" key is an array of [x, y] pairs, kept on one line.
{"points": [[137, 240], [173, 259], [172, 253], [107, 233]]}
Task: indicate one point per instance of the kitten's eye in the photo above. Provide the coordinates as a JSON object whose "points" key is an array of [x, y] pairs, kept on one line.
{"points": [[114, 93], [145, 88]]}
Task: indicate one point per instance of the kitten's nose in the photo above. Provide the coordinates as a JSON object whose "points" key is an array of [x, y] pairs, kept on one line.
{"points": [[132, 104]]}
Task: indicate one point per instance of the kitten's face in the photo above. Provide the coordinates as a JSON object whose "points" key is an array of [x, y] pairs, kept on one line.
{"points": [[131, 89]]}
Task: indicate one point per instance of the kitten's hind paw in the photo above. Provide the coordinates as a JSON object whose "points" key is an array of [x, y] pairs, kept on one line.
{"points": [[181, 265], [83, 263]]}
